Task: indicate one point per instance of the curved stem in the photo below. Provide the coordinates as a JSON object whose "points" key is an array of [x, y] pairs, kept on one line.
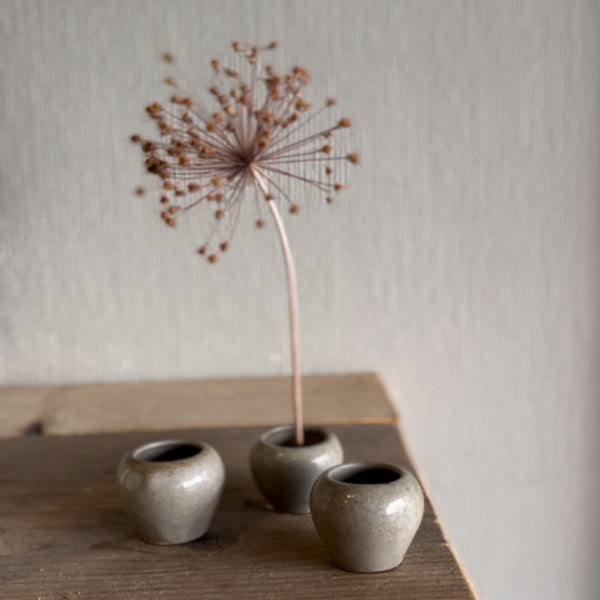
{"points": [[294, 325], [294, 318]]}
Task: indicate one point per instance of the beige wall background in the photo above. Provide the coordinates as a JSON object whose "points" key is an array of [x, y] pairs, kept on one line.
{"points": [[462, 263]]}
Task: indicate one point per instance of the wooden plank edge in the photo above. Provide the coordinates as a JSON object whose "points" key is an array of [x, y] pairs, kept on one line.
{"points": [[411, 459], [65, 409]]}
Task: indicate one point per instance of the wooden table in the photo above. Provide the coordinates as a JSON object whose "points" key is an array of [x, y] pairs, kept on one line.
{"points": [[64, 535]]}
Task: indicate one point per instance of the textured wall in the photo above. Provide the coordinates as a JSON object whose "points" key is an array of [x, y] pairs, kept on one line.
{"points": [[463, 263]]}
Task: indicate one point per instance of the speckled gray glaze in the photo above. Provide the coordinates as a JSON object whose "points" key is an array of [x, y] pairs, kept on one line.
{"points": [[285, 474], [171, 489], [367, 527]]}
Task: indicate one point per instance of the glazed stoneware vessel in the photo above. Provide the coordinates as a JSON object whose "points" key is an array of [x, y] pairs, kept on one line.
{"points": [[367, 514], [285, 473], [171, 489]]}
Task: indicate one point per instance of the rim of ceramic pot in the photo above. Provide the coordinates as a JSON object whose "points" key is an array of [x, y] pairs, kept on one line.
{"points": [[366, 474], [168, 451], [282, 437]]}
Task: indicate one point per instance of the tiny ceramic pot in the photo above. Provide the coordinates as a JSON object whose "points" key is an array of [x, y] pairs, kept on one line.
{"points": [[367, 515], [171, 489], [285, 473]]}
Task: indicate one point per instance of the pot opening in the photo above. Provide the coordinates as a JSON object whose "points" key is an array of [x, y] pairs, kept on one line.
{"points": [[367, 475], [167, 452], [285, 438]]}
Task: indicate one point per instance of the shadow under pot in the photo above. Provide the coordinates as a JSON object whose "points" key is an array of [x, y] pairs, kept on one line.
{"points": [[285, 473], [170, 489], [367, 515]]}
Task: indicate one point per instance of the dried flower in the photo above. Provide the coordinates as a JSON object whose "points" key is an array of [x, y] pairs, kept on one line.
{"points": [[259, 134]]}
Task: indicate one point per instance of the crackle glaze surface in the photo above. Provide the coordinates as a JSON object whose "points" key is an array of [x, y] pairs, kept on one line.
{"points": [[171, 501], [367, 527]]}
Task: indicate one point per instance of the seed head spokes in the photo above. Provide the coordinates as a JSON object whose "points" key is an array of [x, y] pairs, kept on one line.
{"points": [[261, 133]]}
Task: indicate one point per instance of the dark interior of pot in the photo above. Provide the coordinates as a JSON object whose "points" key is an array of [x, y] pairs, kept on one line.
{"points": [[168, 452], [367, 475], [286, 438]]}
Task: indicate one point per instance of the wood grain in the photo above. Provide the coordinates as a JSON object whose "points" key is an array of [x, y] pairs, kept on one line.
{"points": [[148, 406], [64, 534]]}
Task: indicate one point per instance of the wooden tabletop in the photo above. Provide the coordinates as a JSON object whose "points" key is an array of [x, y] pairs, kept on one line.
{"points": [[64, 534]]}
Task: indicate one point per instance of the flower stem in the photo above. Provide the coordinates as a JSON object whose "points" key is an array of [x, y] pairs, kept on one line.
{"points": [[294, 324]]}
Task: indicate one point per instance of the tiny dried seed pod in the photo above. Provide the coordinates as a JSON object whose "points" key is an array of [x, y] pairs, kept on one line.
{"points": [[260, 223], [213, 258], [294, 209], [168, 57]]}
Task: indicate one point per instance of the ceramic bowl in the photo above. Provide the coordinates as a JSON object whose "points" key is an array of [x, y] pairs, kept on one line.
{"points": [[367, 514], [285, 473], [171, 489]]}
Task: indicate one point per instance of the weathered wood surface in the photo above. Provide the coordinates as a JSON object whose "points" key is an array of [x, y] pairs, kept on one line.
{"points": [[79, 409], [64, 535]]}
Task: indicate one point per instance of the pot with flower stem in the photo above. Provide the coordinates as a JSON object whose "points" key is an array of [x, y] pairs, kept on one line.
{"points": [[260, 135]]}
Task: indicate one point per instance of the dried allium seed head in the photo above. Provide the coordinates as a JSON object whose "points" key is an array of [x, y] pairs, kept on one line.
{"points": [[261, 133]]}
